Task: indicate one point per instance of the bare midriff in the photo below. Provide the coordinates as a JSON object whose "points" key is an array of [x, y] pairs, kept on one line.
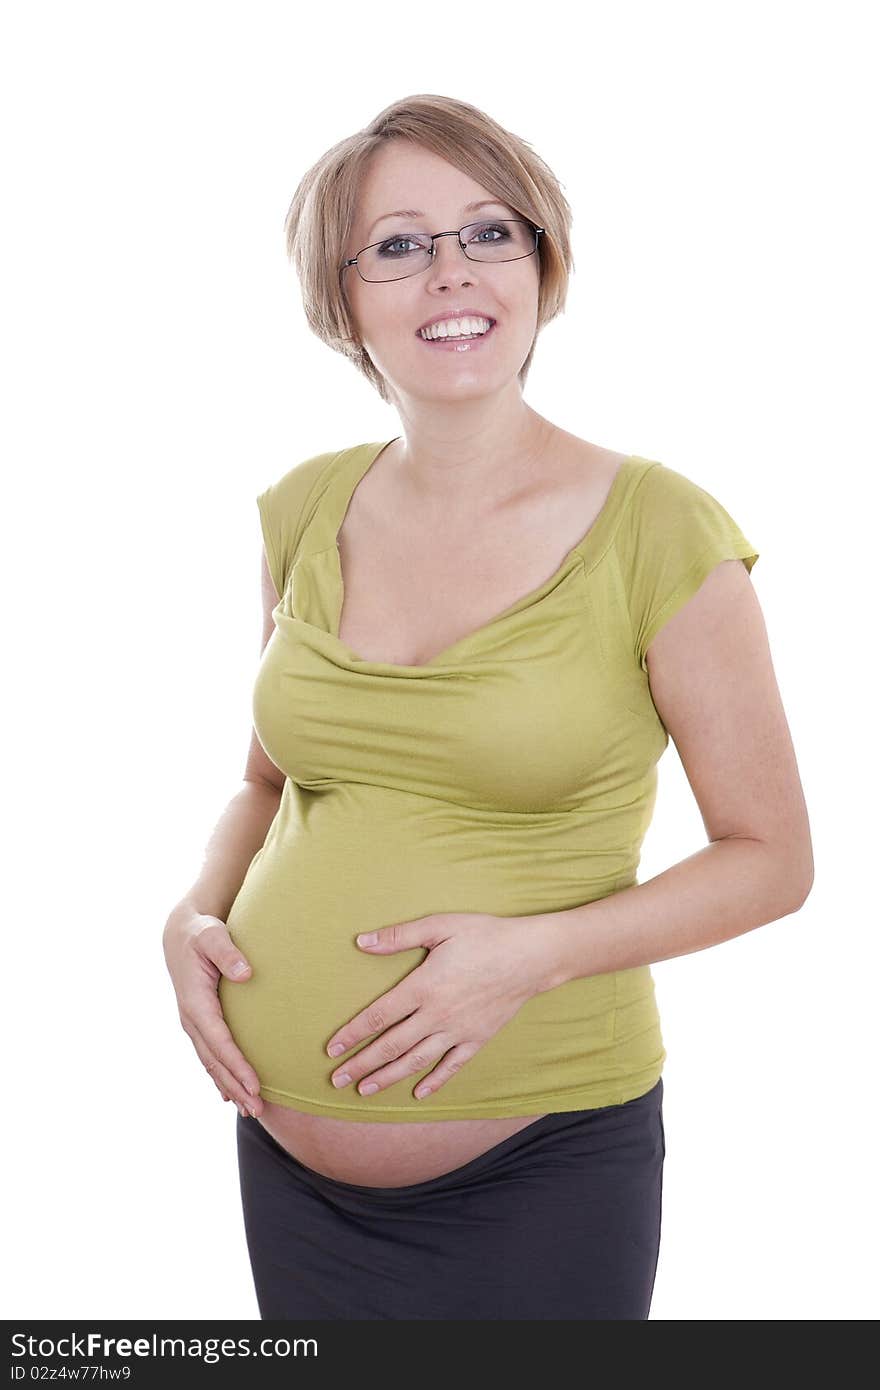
{"points": [[382, 1153]]}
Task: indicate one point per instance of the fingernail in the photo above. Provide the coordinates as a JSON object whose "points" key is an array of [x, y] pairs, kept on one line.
{"points": [[368, 938], [239, 968], [342, 1079]]}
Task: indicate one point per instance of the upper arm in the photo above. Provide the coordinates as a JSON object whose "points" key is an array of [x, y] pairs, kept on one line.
{"points": [[259, 766], [713, 684]]}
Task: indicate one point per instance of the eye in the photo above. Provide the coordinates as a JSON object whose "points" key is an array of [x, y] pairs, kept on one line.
{"points": [[491, 227], [385, 248]]}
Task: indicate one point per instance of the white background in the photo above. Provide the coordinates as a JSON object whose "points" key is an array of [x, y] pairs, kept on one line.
{"points": [[722, 318]]}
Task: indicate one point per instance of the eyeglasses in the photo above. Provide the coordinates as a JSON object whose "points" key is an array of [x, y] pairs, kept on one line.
{"points": [[506, 239]]}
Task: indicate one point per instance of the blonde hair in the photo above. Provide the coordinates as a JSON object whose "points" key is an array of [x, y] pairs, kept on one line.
{"points": [[319, 221]]}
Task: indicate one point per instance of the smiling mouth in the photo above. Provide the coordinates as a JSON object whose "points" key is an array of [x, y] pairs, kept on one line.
{"points": [[461, 341]]}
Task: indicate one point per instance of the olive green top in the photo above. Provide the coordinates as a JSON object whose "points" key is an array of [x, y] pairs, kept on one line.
{"points": [[514, 773]]}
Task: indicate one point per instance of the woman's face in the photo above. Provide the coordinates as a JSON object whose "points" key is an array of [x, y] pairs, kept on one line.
{"points": [[388, 314]]}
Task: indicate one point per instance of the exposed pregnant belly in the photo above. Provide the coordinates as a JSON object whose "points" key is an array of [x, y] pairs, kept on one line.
{"points": [[385, 1154]]}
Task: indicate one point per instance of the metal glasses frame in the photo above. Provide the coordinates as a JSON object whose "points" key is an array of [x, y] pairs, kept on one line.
{"points": [[353, 260]]}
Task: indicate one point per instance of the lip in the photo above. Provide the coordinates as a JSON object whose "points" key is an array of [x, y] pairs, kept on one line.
{"points": [[459, 344], [459, 313]]}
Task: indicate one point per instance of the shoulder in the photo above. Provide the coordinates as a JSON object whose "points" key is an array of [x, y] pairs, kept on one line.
{"points": [[658, 486], [290, 501], [666, 505], [287, 505], [671, 533], [289, 493]]}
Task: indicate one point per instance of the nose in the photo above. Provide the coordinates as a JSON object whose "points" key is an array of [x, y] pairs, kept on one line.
{"points": [[450, 262]]}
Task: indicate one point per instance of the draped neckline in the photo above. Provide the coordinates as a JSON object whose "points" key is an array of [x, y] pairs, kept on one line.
{"points": [[330, 517]]}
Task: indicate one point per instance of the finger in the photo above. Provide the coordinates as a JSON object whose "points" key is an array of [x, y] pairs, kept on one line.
{"points": [[216, 945], [216, 1064], [222, 1093], [398, 1004], [217, 952], [420, 931], [223, 1079], [398, 1053], [451, 1063], [207, 1018], [382, 1050]]}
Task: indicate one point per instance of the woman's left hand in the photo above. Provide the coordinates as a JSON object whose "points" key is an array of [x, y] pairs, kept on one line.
{"points": [[479, 971]]}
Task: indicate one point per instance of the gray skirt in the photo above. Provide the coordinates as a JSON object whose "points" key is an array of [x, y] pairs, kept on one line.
{"points": [[560, 1220]]}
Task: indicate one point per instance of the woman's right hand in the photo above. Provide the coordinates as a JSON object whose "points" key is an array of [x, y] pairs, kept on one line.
{"points": [[198, 951]]}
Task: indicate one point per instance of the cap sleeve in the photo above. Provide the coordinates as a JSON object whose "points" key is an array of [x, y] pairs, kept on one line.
{"points": [[285, 508], [674, 534]]}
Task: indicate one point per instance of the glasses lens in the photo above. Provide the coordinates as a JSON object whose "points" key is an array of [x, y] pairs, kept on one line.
{"points": [[400, 255], [409, 252], [499, 240]]}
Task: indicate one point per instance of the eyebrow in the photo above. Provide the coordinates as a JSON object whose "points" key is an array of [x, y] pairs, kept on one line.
{"points": [[414, 212]]}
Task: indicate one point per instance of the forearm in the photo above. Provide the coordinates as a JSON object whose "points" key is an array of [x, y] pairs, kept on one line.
{"points": [[724, 890], [238, 834]]}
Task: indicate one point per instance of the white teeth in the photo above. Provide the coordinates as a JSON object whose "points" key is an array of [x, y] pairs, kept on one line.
{"points": [[457, 328]]}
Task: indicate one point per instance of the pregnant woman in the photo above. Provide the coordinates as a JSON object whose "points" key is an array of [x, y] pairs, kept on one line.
{"points": [[418, 955]]}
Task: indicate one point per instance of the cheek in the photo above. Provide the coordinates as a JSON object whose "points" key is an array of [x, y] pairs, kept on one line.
{"points": [[375, 318], [387, 332]]}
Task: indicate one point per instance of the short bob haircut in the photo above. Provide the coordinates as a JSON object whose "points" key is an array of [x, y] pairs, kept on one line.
{"points": [[321, 215]]}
